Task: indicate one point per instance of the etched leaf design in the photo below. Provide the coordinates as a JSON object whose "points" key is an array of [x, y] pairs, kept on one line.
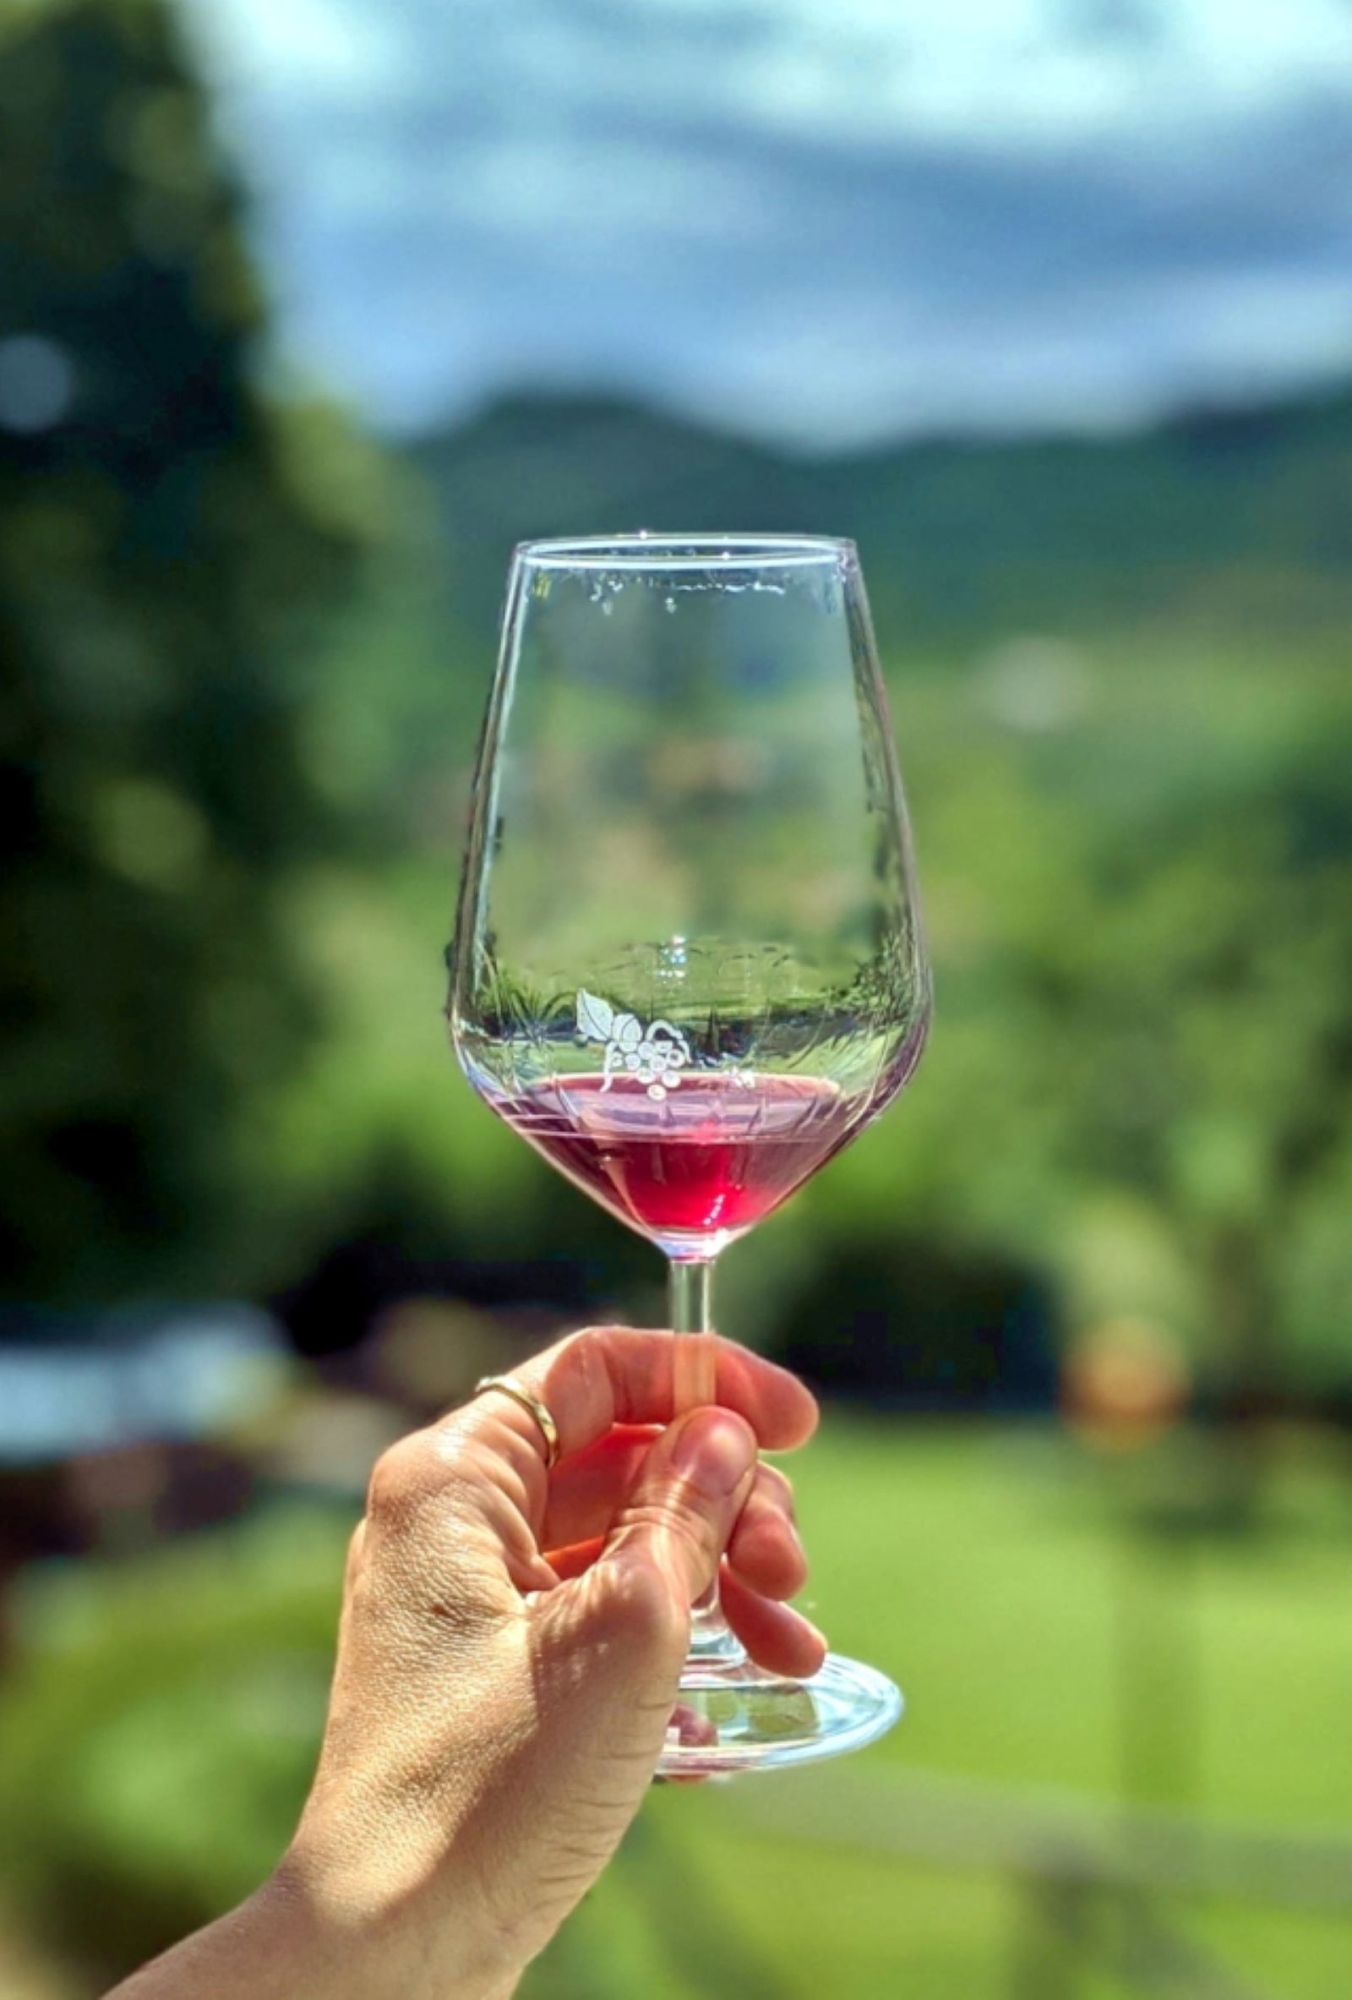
{"points": [[627, 1030], [595, 1018]]}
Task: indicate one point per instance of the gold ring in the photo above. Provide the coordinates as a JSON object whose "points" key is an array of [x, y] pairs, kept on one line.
{"points": [[549, 1430]]}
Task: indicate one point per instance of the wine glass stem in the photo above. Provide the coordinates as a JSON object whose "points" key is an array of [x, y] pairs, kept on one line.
{"points": [[713, 1644]]}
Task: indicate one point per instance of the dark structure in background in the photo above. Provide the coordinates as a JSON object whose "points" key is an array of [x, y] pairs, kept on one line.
{"points": [[922, 1330], [115, 1429], [333, 1310]]}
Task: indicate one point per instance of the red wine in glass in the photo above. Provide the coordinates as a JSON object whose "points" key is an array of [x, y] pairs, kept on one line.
{"points": [[696, 1168]]}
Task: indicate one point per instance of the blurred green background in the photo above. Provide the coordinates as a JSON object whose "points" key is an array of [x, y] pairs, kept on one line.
{"points": [[1081, 1305]]}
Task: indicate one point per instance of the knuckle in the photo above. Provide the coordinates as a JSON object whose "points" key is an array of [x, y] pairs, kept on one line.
{"points": [[667, 1520], [767, 1552], [399, 1479], [642, 1605], [793, 1570], [587, 1356], [776, 1487]]}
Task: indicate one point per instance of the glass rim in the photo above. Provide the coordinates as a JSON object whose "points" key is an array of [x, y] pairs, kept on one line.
{"points": [[640, 550]]}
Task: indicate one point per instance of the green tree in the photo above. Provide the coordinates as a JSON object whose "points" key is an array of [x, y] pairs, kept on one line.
{"points": [[1140, 1078], [166, 555]]}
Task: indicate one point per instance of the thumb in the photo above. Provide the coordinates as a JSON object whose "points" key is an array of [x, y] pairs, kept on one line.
{"points": [[683, 1507]]}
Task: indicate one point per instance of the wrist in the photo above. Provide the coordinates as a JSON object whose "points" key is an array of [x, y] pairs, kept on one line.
{"points": [[274, 1946], [350, 1933]]}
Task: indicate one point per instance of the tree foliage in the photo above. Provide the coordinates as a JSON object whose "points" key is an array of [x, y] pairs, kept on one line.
{"points": [[161, 569]]}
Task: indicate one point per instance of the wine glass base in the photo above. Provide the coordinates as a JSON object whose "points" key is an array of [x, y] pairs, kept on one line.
{"points": [[737, 1718]]}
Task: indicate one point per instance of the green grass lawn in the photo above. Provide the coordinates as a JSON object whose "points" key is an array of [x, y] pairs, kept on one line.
{"points": [[984, 1571], [157, 1736], [981, 1569]]}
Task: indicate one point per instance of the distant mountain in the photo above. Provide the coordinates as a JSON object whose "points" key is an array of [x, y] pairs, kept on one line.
{"points": [[1232, 518]]}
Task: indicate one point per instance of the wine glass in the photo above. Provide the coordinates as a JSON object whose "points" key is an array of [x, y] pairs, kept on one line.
{"points": [[689, 964]]}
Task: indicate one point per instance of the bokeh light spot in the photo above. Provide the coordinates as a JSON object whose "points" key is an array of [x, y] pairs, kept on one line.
{"points": [[37, 383]]}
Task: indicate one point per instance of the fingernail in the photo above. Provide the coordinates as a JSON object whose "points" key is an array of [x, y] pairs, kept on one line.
{"points": [[715, 1449]]}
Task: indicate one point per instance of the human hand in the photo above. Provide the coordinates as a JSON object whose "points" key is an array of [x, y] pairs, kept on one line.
{"points": [[511, 1645]]}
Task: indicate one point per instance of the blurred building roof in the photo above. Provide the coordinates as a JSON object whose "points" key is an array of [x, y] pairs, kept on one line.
{"points": [[78, 1384]]}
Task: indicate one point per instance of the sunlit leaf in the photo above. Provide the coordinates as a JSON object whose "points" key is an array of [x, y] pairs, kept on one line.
{"points": [[627, 1030], [595, 1018]]}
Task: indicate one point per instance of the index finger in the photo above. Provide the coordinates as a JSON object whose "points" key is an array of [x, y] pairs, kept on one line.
{"points": [[610, 1375]]}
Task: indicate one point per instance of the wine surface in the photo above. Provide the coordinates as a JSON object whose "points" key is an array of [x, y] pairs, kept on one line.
{"points": [[699, 1166]]}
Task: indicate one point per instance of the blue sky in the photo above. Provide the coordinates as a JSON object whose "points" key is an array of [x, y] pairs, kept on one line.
{"points": [[821, 221]]}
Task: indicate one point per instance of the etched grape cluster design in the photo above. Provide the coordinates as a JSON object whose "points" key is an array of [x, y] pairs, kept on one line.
{"points": [[654, 1055]]}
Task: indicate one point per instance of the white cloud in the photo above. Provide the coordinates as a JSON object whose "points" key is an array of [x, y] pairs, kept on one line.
{"points": [[818, 220], [301, 47], [625, 189], [972, 71]]}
